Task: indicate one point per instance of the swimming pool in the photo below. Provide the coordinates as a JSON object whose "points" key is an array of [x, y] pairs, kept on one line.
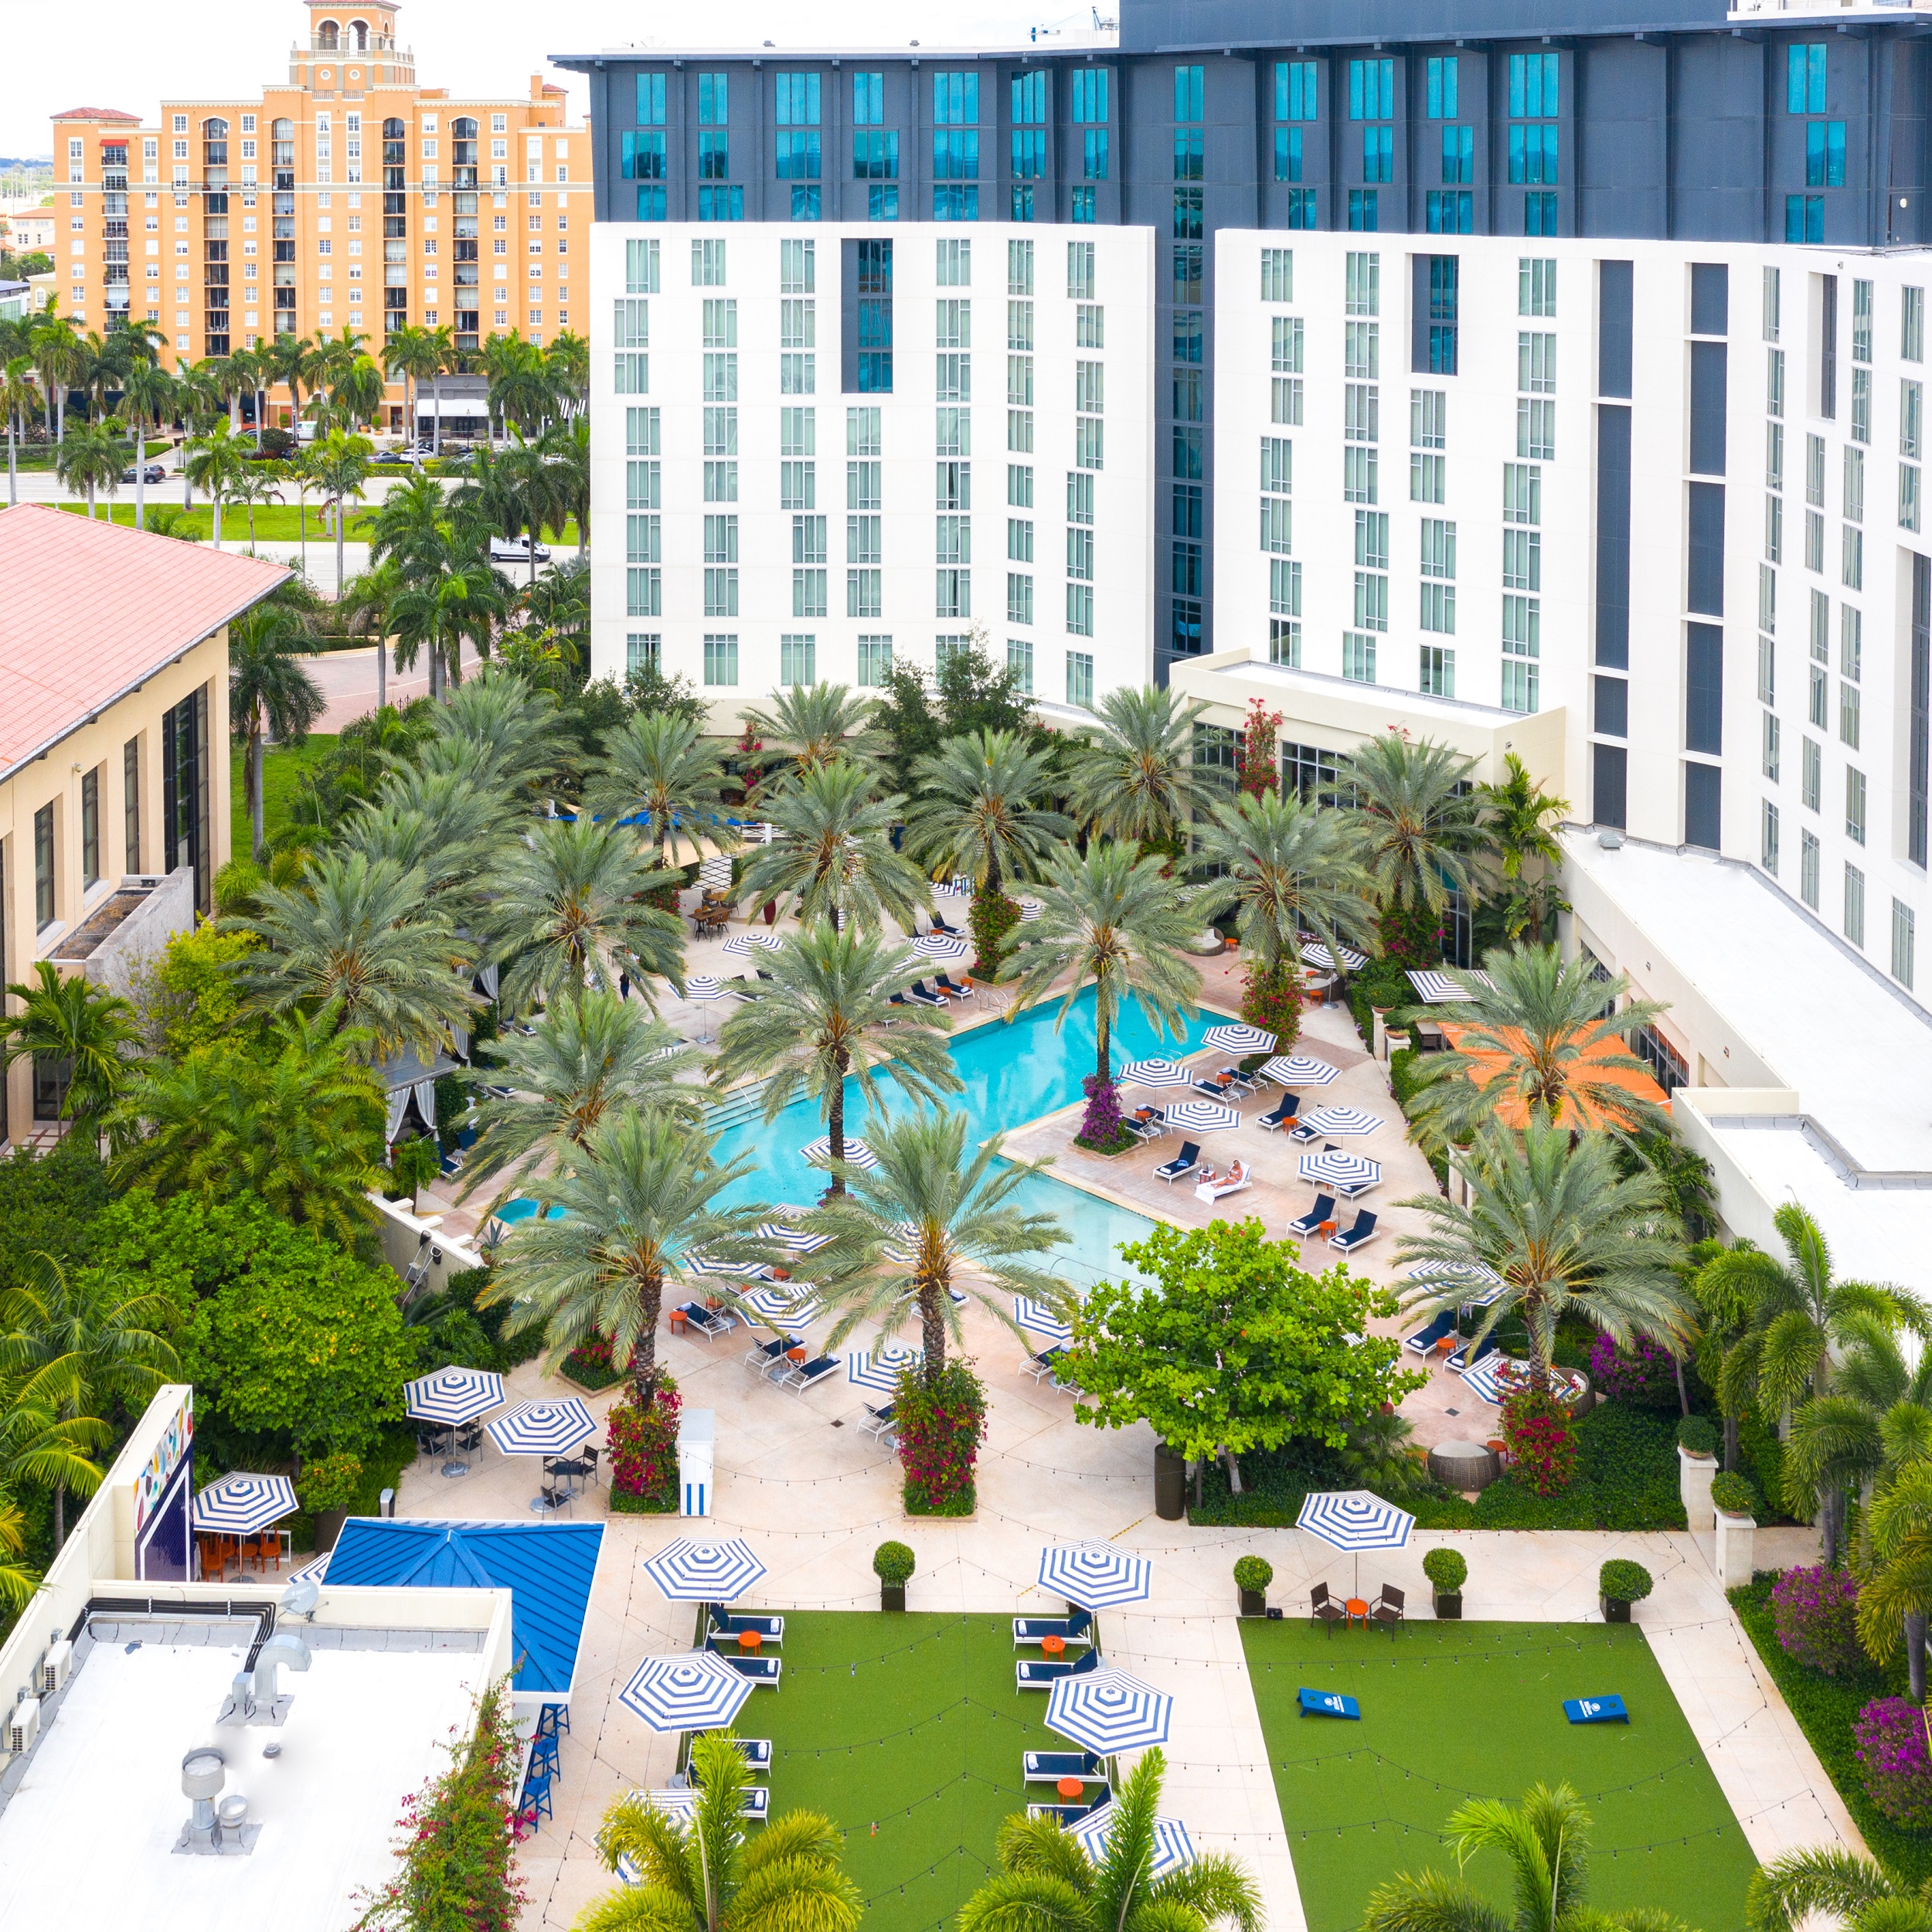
{"points": [[1014, 1071]]}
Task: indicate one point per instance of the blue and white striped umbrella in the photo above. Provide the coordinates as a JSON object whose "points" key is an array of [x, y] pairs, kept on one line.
{"points": [[1354, 1519], [794, 1238], [542, 1428], [1340, 1169], [742, 944], [1341, 1119], [1108, 1711], [1299, 1069], [315, 1571], [1095, 1575], [1029, 1315], [1155, 1073], [1172, 1847], [698, 1570], [1029, 909], [1448, 1276], [1497, 1377], [958, 886], [1317, 955], [878, 1371], [716, 1262], [1201, 1117], [1238, 1039], [942, 947], [857, 1153], [1438, 989], [693, 1691], [702, 986], [782, 1307], [453, 1396], [239, 1505]]}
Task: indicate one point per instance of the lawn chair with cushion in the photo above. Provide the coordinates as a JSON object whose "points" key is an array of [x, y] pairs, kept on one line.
{"points": [[1151, 1128], [877, 1422], [1048, 1768], [1310, 1223], [1032, 1675], [919, 993], [802, 1375], [761, 1670], [1075, 1629], [1324, 1609], [1043, 1365], [1470, 1353], [1282, 1115], [1067, 1816], [765, 1356], [755, 1751], [1423, 1341], [1233, 1077], [1184, 1162], [708, 1322], [952, 987], [1214, 1090], [1387, 1608], [1363, 1231], [724, 1624]]}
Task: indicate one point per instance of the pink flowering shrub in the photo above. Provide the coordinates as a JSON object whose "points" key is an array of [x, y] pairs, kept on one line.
{"points": [[1897, 1766], [1815, 1611], [1643, 1374], [1101, 1127], [940, 1424]]}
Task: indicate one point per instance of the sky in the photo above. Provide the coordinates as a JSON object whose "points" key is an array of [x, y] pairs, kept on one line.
{"points": [[132, 51]]}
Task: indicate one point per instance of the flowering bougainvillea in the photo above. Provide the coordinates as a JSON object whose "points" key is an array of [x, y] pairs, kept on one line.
{"points": [[1643, 1374], [1257, 771], [940, 1424], [1895, 1764], [1272, 1001], [1816, 1614], [991, 918], [1101, 1127], [1542, 1443], [643, 1447]]}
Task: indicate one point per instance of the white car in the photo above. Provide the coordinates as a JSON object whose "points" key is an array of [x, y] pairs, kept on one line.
{"points": [[516, 550]]}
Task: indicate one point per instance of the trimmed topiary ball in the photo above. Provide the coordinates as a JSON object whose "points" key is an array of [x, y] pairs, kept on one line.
{"points": [[1733, 1494], [1623, 1581], [893, 1562], [1697, 1436], [1448, 1570], [1252, 1573]]}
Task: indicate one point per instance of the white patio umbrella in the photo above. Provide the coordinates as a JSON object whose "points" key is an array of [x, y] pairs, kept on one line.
{"points": [[1339, 1169], [783, 1307], [794, 1238], [741, 945], [692, 1691], [857, 1153], [542, 1429], [1438, 989], [1341, 1119], [241, 1505], [1238, 1039], [1107, 1711], [879, 1370], [1041, 1321], [1317, 954], [1029, 909], [1201, 1117], [1095, 1575], [453, 1396], [1299, 1069], [1172, 1847], [942, 948], [703, 1569], [1354, 1520], [704, 987], [1155, 1072]]}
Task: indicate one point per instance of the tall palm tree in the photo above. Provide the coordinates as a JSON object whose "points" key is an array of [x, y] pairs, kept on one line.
{"points": [[40, 1446], [77, 1344], [827, 1014], [566, 447], [1521, 822], [410, 524], [1116, 919], [447, 360], [513, 730], [258, 485], [60, 355], [1827, 1881], [976, 811], [639, 1196], [338, 466], [364, 604], [79, 1027], [1134, 774], [19, 398], [1566, 1233], [1047, 1882], [412, 353], [811, 725], [453, 596], [289, 359], [928, 1223], [359, 935], [657, 768], [148, 397], [18, 1580], [568, 361], [269, 690], [567, 915], [1545, 1839], [832, 855], [89, 460], [216, 461], [709, 1876], [1417, 818], [586, 1060], [1543, 1034]]}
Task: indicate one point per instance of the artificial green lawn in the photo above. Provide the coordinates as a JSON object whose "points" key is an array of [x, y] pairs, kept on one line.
{"points": [[1454, 1710], [908, 1724], [282, 766]]}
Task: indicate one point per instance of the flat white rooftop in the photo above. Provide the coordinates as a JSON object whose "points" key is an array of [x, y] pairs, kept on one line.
{"points": [[87, 1835]]}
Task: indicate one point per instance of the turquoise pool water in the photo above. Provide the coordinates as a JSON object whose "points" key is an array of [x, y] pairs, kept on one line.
{"points": [[522, 1209], [1014, 1071]]}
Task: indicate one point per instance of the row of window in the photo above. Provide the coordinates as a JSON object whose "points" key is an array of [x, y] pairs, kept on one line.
{"points": [[1904, 930], [798, 660]]}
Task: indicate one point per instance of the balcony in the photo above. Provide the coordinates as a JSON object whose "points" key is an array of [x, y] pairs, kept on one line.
{"points": [[129, 928]]}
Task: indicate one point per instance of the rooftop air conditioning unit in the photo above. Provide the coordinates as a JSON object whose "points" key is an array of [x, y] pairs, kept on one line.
{"points": [[51, 1674], [23, 1725]]}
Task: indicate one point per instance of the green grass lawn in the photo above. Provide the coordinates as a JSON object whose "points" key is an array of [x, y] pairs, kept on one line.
{"points": [[907, 1732], [274, 523], [281, 767], [1454, 1710]]}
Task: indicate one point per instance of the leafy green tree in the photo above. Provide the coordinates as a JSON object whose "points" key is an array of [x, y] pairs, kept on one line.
{"points": [[832, 855], [1134, 775], [826, 1014], [1827, 1881], [967, 693], [709, 1876], [50, 1203], [87, 1033], [1047, 1882], [1227, 1345], [1418, 825], [658, 768]]}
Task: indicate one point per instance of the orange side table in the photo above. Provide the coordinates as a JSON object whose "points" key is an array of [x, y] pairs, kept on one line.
{"points": [[750, 1640], [1356, 1607], [1327, 1227], [1069, 1788], [1052, 1646], [678, 1320]]}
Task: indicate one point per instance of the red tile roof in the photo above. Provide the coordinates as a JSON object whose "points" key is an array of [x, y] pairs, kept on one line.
{"points": [[97, 114], [91, 609]]}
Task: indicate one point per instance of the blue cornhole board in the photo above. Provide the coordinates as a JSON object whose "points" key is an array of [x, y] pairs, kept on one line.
{"points": [[1596, 1710], [1328, 1704]]}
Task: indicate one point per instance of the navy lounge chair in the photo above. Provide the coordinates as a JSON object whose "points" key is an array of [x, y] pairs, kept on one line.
{"points": [[1184, 1162]]}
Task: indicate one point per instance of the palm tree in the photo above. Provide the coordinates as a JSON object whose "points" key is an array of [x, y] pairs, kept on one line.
{"points": [[17, 1582], [217, 459], [513, 729], [1540, 1034], [19, 397], [828, 1014], [1134, 774], [62, 359], [290, 359], [260, 483], [269, 691], [410, 525], [147, 396], [567, 915], [707, 1876], [1545, 1839], [1047, 1882], [89, 460], [568, 361], [1858, 1892], [453, 596], [338, 467], [638, 1197], [412, 353], [443, 357], [1417, 820], [364, 604], [1564, 1232], [1116, 919], [85, 1031], [658, 768], [39, 1446], [81, 1344], [586, 1060], [567, 447], [359, 936], [975, 812], [927, 1223], [812, 725], [832, 851], [1522, 818]]}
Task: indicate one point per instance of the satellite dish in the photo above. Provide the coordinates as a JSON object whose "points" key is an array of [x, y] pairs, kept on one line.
{"points": [[301, 1597]]}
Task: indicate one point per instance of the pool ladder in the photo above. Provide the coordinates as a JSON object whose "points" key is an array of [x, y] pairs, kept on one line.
{"points": [[738, 1109]]}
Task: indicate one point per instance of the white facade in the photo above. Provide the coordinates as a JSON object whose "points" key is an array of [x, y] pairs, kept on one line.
{"points": [[758, 520]]}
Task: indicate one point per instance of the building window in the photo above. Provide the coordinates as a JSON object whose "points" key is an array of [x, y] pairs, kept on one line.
{"points": [[720, 660], [1904, 941], [797, 660], [1855, 906], [131, 802], [43, 865], [1363, 218], [1768, 828], [1855, 805], [1019, 662], [1079, 679], [1804, 218], [1359, 659], [1438, 672], [1808, 869], [1667, 1065], [91, 828]]}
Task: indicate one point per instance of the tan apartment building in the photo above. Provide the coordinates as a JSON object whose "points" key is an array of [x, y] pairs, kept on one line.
{"points": [[114, 754], [31, 228], [346, 197]]}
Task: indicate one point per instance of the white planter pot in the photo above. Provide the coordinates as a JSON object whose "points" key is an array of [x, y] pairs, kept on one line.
{"points": [[1694, 1476], [1736, 1537]]}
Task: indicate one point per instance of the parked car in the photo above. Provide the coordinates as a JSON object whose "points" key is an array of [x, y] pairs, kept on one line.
{"points": [[402, 457], [155, 473], [516, 550]]}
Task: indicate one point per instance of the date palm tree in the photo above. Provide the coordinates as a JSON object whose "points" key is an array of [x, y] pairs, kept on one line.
{"points": [[567, 447], [976, 812], [148, 397], [1418, 821], [1116, 919], [453, 595], [658, 768], [826, 1014], [709, 1876], [87, 1033], [20, 397], [338, 467], [1047, 1882], [269, 690], [1134, 773], [1826, 1881], [832, 854], [1564, 1232], [930, 1223], [809, 725], [89, 460], [639, 1196], [364, 604]]}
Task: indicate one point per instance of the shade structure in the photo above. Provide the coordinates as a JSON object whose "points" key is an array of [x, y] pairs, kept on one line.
{"points": [[1029, 909], [1342, 1119], [542, 1428], [1041, 1321], [878, 1370], [857, 1153], [715, 871], [1201, 1117], [1438, 989], [1238, 1039], [1299, 1069], [1095, 1575], [1341, 1169], [942, 947], [796, 1240], [715, 1262], [1354, 1519], [1605, 1084], [703, 986], [1497, 1377], [704, 1570], [1108, 1711], [741, 945], [1317, 955], [453, 1396], [240, 1505], [1172, 1847], [693, 1691], [1475, 1286], [782, 1307], [1155, 1072]]}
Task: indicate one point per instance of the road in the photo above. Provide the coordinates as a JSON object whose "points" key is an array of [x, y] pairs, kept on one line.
{"points": [[347, 682]]}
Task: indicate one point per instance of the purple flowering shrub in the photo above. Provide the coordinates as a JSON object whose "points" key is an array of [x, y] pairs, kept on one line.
{"points": [[1642, 1375], [1816, 1610], [1897, 1767], [1100, 1126]]}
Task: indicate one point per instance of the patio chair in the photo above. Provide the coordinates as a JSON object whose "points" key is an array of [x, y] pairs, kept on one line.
{"points": [[1048, 1767], [1043, 1365], [1214, 1090], [755, 1751], [451, 1164], [1387, 1608], [558, 1494], [1030, 1673], [1310, 1223], [543, 1753], [919, 993], [723, 1623], [1283, 1115], [1302, 1133], [877, 1422], [1184, 1162], [1470, 1353], [764, 1356], [1238, 1180], [532, 1805], [761, 1670], [1068, 1815], [709, 1322], [951, 989], [1152, 1128], [1075, 1629], [802, 1375], [1425, 1340], [553, 1718], [1324, 1609], [1362, 1232], [1233, 1076]]}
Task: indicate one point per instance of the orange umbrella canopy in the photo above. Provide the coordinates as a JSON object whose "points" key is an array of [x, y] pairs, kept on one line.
{"points": [[1595, 1061]]}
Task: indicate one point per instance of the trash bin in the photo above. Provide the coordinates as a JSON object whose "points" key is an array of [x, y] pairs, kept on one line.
{"points": [[1170, 1484]]}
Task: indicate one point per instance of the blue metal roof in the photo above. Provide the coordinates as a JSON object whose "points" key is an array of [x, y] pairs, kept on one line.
{"points": [[548, 1569]]}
